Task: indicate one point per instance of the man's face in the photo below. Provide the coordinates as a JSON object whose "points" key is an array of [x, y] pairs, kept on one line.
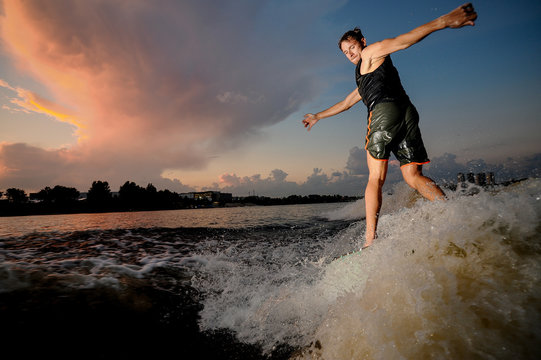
{"points": [[352, 49]]}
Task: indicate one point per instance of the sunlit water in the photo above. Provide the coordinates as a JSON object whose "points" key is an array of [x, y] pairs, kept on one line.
{"points": [[453, 280], [232, 218]]}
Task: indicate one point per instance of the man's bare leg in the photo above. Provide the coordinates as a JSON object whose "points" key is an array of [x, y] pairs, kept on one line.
{"points": [[413, 175], [372, 196]]}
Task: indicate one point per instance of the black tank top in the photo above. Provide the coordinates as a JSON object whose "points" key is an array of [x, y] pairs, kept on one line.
{"points": [[381, 85]]}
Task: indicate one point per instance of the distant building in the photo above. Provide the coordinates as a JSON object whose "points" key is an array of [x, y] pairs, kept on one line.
{"points": [[480, 179], [187, 195], [212, 196], [490, 179], [34, 198]]}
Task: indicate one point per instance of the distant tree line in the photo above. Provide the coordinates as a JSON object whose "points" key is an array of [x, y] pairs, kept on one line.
{"points": [[130, 197], [61, 199]]}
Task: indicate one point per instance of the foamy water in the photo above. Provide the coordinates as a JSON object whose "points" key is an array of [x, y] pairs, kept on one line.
{"points": [[453, 280]]}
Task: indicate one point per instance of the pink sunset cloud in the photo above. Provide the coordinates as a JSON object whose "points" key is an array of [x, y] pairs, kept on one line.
{"points": [[30, 102], [148, 87]]}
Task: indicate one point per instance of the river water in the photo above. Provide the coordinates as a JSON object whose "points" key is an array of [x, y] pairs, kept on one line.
{"points": [[453, 280]]}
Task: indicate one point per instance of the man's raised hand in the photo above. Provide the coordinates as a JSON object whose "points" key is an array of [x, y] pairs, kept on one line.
{"points": [[309, 121], [461, 16]]}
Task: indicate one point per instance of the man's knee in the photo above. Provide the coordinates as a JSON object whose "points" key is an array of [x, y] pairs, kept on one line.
{"points": [[376, 181], [411, 171]]}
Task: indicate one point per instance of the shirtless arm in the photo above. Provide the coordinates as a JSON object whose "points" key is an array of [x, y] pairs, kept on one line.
{"points": [[311, 119], [461, 16]]}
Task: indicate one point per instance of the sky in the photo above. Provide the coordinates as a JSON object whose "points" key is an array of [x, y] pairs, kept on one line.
{"points": [[209, 95]]}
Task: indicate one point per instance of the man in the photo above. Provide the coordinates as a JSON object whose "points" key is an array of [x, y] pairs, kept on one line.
{"points": [[392, 119]]}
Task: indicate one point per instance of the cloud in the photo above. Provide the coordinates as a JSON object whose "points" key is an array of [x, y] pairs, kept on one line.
{"points": [[20, 163], [277, 185], [230, 97], [153, 86], [446, 167], [273, 185], [36, 168], [278, 175], [29, 102], [4, 84], [356, 163], [346, 182]]}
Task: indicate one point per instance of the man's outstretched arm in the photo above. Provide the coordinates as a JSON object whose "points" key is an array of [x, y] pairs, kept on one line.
{"points": [[350, 100], [462, 16]]}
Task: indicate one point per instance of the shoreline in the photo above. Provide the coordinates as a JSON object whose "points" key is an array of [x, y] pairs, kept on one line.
{"points": [[21, 211]]}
